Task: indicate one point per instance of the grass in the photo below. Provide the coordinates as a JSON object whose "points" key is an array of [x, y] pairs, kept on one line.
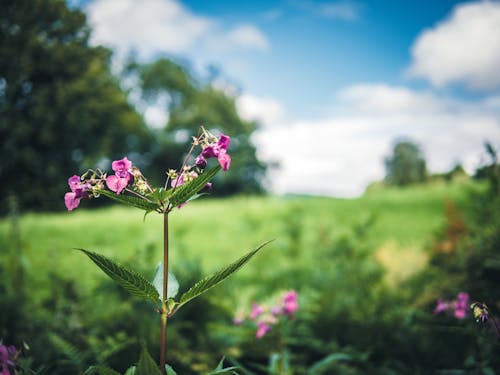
{"points": [[217, 231]]}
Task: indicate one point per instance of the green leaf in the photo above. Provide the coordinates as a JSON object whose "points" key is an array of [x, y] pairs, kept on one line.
{"points": [[220, 370], [210, 281], [132, 281], [147, 365], [170, 370], [328, 363], [130, 200], [160, 195], [130, 371], [184, 192], [173, 284], [101, 370]]}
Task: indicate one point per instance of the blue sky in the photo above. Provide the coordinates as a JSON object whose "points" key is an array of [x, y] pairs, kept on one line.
{"points": [[332, 83]]}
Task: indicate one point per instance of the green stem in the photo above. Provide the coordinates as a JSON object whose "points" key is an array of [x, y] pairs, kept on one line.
{"points": [[164, 311]]}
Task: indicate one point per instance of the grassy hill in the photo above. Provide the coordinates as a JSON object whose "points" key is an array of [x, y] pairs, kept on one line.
{"points": [[399, 223]]}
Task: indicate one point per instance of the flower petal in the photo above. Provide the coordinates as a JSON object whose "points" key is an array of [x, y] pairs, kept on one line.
{"points": [[71, 201], [224, 160], [116, 184]]}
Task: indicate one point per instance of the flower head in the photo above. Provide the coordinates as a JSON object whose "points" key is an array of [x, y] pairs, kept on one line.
{"points": [[461, 305], [257, 310], [219, 150], [262, 329], [458, 307], [8, 358], [290, 302], [122, 177], [441, 306], [79, 190]]}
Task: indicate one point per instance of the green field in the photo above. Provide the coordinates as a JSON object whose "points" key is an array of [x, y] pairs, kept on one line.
{"points": [[215, 231]]}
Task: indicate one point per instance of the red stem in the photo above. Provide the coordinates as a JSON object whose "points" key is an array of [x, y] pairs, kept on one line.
{"points": [[164, 312]]}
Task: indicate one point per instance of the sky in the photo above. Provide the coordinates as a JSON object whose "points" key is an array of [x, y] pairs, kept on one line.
{"points": [[332, 84]]}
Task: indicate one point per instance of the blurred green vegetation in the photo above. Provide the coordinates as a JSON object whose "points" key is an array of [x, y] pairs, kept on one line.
{"points": [[368, 272]]}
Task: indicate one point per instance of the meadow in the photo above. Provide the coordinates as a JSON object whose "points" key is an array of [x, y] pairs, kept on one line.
{"points": [[341, 255]]}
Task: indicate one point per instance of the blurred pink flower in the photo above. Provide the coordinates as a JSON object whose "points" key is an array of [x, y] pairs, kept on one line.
{"points": [[262, 329], [256, 311], [441, 306], [290, 302]]}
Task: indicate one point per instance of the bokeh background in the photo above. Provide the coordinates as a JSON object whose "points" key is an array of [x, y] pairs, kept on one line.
{"points": [[364, 139]]}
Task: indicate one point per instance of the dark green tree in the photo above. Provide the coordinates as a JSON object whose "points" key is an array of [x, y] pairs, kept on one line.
{"points": [[60, 106], [193, 102], [406, 165]]}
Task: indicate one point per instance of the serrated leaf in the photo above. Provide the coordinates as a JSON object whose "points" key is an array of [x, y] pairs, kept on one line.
{"points": [[132, 281], [210, 281], [173, 284], [160, 195], [130, 200], [101, 370], [184, 192], [170, 370], [147, 365]]}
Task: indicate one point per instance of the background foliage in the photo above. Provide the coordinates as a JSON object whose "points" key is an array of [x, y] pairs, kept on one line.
{"points": [[62, 110]]}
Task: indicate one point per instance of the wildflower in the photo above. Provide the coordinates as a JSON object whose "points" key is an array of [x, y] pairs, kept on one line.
{"points": [[200, 161], [79, 190], [262, 329], [461, 305], [239, 318], [256, 311], [458, 307], [8, 358], [122, 177], [290, 303], [219, 150], [441, 306]]}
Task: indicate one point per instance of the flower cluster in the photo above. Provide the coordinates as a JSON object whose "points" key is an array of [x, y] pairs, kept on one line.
{"points": [[8, 359], [128, 178], [458, 307], [266, 317]]}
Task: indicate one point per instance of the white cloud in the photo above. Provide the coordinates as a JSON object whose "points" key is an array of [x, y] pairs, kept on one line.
{"points": [[266, 111], [164, 26], [464, 48], [341, 154], [248, 36]]}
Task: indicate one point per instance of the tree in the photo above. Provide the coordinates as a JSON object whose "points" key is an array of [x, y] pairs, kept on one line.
{"points": [[60, 106], [191, 103], [406, 165]]}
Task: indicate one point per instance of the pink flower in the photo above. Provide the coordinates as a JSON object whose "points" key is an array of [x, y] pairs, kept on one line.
{"points": [[441, 306], [79, 190], [8, 358], [290, 303], [238, 319], [262, 329], [461, 305], [256, 311], [219, 151], [122, 176]]}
